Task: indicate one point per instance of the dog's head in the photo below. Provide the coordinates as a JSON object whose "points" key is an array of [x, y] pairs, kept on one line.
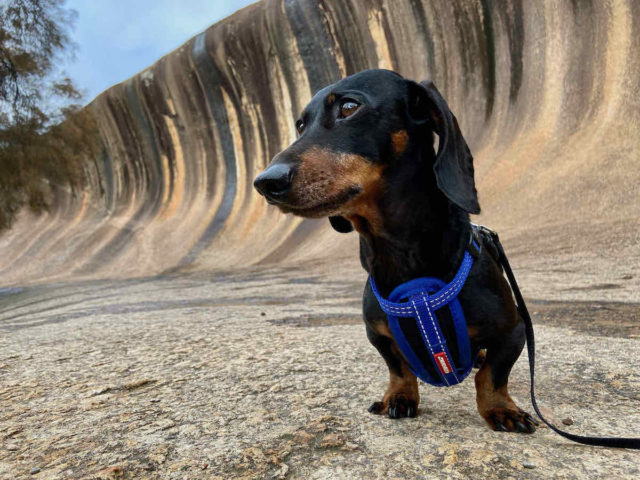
{"points": [[354, 138]]}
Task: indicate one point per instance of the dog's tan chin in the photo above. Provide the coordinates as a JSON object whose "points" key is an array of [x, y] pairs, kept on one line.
{"points": [[324, 209], [311, 212]]}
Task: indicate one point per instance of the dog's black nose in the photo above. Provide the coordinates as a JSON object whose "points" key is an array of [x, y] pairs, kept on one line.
{"points": [[275, 182]]}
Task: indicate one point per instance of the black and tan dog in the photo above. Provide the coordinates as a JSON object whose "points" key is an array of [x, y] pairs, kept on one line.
{"points": [[365, 158]]}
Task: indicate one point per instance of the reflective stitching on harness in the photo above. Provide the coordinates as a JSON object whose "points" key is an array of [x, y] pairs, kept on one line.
{"points": [[426, 337], [442, 344], [437, 301]]}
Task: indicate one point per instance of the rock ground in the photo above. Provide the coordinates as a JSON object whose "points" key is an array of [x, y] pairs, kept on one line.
{"points": [[267, 373]]}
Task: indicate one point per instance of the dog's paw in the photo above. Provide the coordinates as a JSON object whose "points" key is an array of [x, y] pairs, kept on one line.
{"points": [[397, 406], [507, 420], [401, 407]]}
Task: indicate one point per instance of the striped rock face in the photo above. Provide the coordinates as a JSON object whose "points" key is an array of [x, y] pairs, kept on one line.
{"points": [[546, 94]]}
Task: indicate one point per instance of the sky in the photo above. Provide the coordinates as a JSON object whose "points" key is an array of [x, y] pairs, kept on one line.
{"points": [[117, 38]]}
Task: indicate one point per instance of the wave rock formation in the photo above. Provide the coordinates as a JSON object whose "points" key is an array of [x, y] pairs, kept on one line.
{"points": [[546, 94]]}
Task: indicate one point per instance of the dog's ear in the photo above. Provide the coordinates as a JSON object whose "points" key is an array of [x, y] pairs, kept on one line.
{"points": [[453, 166], [341, 224]]}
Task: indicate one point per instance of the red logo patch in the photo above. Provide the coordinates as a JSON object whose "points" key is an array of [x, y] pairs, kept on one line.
{"points": [[443, 363]]}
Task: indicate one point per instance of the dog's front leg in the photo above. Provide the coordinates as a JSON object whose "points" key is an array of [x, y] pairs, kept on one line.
{"points": [[402, 397], [494, 402]]}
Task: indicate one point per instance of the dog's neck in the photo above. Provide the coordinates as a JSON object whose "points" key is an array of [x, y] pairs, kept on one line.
{"points": [[422, 234]]}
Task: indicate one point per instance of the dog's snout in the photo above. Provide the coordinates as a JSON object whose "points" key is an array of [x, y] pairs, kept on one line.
{"points": [[275, 182]]}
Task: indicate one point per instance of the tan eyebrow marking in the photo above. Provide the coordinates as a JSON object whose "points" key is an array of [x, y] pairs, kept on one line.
{"points": [[399, 141]]}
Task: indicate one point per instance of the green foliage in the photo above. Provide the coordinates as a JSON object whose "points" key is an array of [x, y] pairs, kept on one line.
{"points": [[44, 136]]}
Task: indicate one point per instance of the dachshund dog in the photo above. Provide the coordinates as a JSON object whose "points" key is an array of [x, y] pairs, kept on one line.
{"points": [[365, 158]]}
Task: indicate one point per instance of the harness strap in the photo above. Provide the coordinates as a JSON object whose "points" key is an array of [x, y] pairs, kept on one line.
{"points": [[421, 306], [434, 301], [633, 443]]}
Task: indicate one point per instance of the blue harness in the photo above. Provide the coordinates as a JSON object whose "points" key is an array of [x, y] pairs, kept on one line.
{"points": [[420, 299]]}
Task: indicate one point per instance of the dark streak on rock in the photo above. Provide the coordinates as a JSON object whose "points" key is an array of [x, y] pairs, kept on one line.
{"points": [[489, 65], [311, 38]]}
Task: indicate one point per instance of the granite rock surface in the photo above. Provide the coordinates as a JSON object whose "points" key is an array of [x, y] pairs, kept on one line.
{"points": [[267, 373]]}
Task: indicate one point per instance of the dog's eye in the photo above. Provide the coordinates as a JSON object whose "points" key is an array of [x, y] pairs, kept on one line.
{"points": [[300, 126], [348, 108]]}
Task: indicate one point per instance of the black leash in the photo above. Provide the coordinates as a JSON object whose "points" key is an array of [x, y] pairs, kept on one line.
{"points": [[522, 308]]}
